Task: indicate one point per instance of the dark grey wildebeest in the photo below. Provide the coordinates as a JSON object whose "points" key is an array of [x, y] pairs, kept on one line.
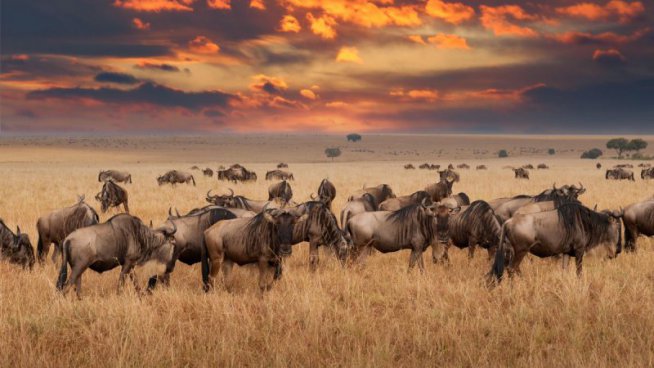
{"points": [[440, 190], [281, 190], [115, 175], [16, 248], [55, 226], [521, 173], [506, 207], [356, 206], [279, 175], [326, 192], [121, 241], [647, 173], [619, 174], [176, 177], [638, 219], [262, 240], [112, 195], [207, 172], [394, 204], [572, 230], [237, 201], [380, 193]]}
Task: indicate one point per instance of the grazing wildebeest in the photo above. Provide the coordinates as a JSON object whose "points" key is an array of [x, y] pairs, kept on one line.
{"points": [[472, 226], [282, 165], [190, 235], [463, 166], [115, 175], [281, 190], [619, 174], [123, 240], [482, 167], [528, 166], [263, 240], [411, 227], [434, 167], [241, 202], [207, 172], [506, 207], [638, 219], [174, 177], [543, 167], [521, 173], [16, 248], [647, 173], [409, 167], [326, 193], [279, 175], [598, 166], [450, 167], [425, 166], [55, 226], [366, 203], [449, 175], [237, 173], [112, 195], [440, 190], [624, 166], [572, 229], [320, 228], [380, 193], [394, 204]]}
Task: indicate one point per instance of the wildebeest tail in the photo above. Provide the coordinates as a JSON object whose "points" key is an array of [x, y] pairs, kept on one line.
{"points": [[500, 261], [63, 271], [129, 178], [193, 179], [204, 260], [39, 248]]}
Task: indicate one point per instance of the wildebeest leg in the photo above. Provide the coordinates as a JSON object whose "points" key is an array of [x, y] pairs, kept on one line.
{"points": [[264, 270], [565, 260], [515, 264], [579, 258], [227, 271], [55, 253], [135, 281], [472, 244], [126, 269], [416, 255], [314, 257], [216, 266], [75, 279], [78, 287], [126, 206], [363, 252]]}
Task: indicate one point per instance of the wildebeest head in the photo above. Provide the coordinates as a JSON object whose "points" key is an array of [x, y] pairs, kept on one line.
{"points": [[387, 191], [161, 180], [166, 236], [22, 251], [282, 221], [614, 238], [221, 200], [442, 214]]}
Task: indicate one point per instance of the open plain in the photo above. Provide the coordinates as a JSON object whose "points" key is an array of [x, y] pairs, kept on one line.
{"points": [[374, 315]]}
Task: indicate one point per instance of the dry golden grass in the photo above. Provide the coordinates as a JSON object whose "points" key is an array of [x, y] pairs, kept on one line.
{"points": [[377, 315]]}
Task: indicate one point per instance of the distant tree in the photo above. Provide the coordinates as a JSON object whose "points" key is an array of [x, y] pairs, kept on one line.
{"points": [[636, 145], [353, 137], [332, 152], [620, 145], [502, 154], [551, 151], [592, 154]]}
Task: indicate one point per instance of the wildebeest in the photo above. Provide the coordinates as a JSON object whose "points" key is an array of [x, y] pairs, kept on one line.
{"points": [[263, 240], [326, 193], [623, 166], [16, 248], [598, 166], [440, 190], [237, 173], [409, 167], [281, 190], [572, 229], [238, 201], [282, 165], [644, 165], [55, 226], [528, 166], [456, 200], [619, 174], [482, 167], [112, 195], [434, 167], [638, 219], [394, 204], [115, 175], [366, 203], [647, 173], [506, 207], [463, 166], [449, 175], [279, 175], [411, 227], [450, 167], [174, 177], [542, 167], [123, 240], [380, 193], [207, 172], [521, 173]]}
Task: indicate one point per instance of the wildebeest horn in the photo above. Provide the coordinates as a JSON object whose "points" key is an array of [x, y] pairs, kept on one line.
{"points": [[170, 212], [174, 229], [231, 192], [17, 230], [595, 208], [177, 212], [151, 225], [209, 196]]}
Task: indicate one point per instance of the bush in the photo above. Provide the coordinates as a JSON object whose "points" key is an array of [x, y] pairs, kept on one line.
{"points": [[592, 154], [332, 152], [502, 154], [353, 137], [551, 151]]}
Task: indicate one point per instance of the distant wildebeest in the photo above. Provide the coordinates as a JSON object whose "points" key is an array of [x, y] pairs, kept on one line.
{"points": [[282, 165], [55, 226], [619, 174], [115, 175], [409, 167], [380, 193], [598, 166], [241, 202], [463, 166], [528, 166], [174, 177], [450, 175], [281, 190], [394, 204], [326, 193], [365, 203], [411, 227], [543, 167], [112, 195], [624, 166], [207, 172], [123, 240], [237, 173], [638, 220], [16, 248], [279, 175], [440, 190], [189, 236], [505, 208], [521, 173], [647, 173], [195, 167], [425, 166], [572, 229], [450, 167], [644, 165], [482, 167], [263, 240], [434, 167]]}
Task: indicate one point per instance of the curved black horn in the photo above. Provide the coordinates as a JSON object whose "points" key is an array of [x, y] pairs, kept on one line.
{"points": [[170, 212], [209, 196], [177, 212]]}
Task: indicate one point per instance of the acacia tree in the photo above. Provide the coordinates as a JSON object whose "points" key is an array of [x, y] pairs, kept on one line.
{"points": [[332, 152], [353, 137], [637, 145], [619, 145]]}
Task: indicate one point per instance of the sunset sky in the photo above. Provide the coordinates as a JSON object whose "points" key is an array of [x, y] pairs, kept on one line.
{"points": [[485, 66]]}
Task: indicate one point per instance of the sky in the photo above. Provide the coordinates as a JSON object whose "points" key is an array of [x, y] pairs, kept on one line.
{"points": [[327, 66]]}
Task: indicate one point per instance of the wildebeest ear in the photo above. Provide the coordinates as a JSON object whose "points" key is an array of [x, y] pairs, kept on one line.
{"points": [[151, 226], [17, 230], [595, 208]]}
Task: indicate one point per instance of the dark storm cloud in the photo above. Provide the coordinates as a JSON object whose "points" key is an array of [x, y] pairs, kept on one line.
{"points": [[44, 66], [119, 78], [159, 67]]}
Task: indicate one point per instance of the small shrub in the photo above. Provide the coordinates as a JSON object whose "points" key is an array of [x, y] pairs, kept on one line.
{"points": [[503, 153], [332, 152], [551, 151], [592, 154]]}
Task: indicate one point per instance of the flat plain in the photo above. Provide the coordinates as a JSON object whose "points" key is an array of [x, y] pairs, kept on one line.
{"points": [[375, 315]]}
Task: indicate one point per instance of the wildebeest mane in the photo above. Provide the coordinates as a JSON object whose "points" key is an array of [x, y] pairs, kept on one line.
{"points": [[371, 201], [464, 198], [259, 232], [480, 219], [522, 196], [320, 215], [77, 219], [576, 218], [135, 229], [410, 220]]}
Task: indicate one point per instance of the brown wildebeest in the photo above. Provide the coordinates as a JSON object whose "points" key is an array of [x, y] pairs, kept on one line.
{"points": [[326, 193], [263, 240], [174, 177], [394, 204], [624, 166], [380, 193], [542, 167], [281, 190], [282, 165], [449, 175], [356, 206], [450, 167], [572, 229], [231, 201], [207, 172], [644, 165], [638, 220], [521, 173], [279, 175], [619, 174], [112, 195], [463, 166], [434, 167], [456, 200], [647, 173], [505, 208], [195, 167], [115, 175], [598, 166], [425, 166], [411, 227], [55, 226], [440, 190], [237, 173], [482, 167], [123, 240], [409, 167], [16, 248], [528, 166]]}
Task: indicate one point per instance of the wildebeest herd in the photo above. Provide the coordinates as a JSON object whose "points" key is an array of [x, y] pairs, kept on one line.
{"points": [[233, 229]]}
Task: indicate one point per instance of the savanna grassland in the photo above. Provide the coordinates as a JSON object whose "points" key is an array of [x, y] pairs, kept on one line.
{"points": [[375, 315]]}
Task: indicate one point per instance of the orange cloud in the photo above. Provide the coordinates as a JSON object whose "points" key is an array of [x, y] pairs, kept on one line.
{"points": [[499, 20], [155, 5], [415, 94], [309, 94], [268, 84], [219, 4], [577, 38], [623, 10], [19, 57], [203, 45], [417, 39], [289, 24], [336, 104], [349, 55], [323, 26], [454, 13], [139, 24], [448, 41], [584, 10], [610, 54], [257, 4]]}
